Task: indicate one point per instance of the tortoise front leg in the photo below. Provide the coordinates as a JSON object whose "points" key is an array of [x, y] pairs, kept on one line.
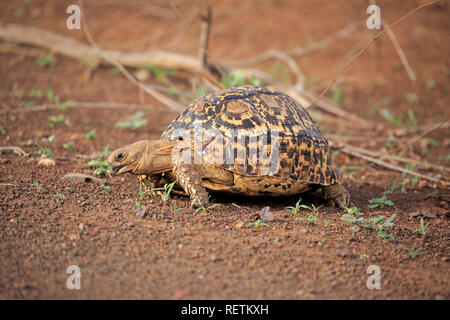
{"points": [[337, 195], [191, 182]]}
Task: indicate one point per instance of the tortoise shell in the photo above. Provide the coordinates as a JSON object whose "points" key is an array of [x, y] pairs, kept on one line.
{"points": [[267, 131]]}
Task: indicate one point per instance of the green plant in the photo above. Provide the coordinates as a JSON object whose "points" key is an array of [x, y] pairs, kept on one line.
{"points": [[54, 120], [313, 208], [91, 134], [257, 223], [2, 131], [350, 170], [67, 145], [49, 139], [379, 223], [391, 190], [107, 189], [175, 209], [380, 203], [137, 205], [134, 121], [336, 94], [46, 61], [160, 73], [69, 189], [103, 167], [423, 227], [205, 209], [412, 118], [310, 219], [237, 78], [413, 252], [43, 152], [17, 93], [412, 97], [165, 195], [58, 196], [431, 84], [391, 118], [36, 93], [294, 210], [353, 215], [142, 193]]}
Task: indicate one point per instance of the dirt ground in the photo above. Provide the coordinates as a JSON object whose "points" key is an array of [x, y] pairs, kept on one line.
{"points": [[48, 224]]}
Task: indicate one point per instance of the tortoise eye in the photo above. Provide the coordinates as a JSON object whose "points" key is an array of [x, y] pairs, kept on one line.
{"points": [[120, 156]]}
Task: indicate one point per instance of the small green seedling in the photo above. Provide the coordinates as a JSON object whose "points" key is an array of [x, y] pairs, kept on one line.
{"points": [[380, 203], [294, 210], [46, 61], [175, 209], [137, 205], [134, 121], [43, 152], [107, 190], [69, 189], [54, 120], [205, 209], [160, 73], [91, 134], [322, 241], [167, 190], [379, 224], [103, 167], [312, 208], [67, 145], [413, 252], [36, 93], [2, 131], [257, 223], [142, 193], [423, 228], [391, 190], [311, 219], [58, 196], [276, 241], [49, 139]]}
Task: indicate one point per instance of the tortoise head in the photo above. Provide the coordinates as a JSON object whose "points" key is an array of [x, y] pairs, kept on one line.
{"points": [[143, 157]]}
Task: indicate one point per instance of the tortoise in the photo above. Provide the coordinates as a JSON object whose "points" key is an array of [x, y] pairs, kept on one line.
{"points": [[246, 140]]}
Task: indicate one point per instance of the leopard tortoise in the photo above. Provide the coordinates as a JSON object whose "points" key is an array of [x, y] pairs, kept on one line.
{"points": [[245, 140]]}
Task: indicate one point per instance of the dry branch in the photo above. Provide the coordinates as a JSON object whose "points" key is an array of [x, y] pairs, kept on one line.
{"points": [[356, 152], [89, 105], [400, 52], [172, 104]]}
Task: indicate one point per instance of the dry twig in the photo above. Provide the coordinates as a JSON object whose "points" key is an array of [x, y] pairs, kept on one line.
{"points": [[172, 104]]}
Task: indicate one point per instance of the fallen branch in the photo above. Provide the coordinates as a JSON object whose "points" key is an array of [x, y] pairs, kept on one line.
{"points": [[88, 105], [172, 104], [400, 52], [356, 153], [376, 36], [16, 150]]}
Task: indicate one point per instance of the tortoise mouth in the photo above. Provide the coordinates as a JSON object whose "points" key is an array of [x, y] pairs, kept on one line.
{"points": [[120, 168]]}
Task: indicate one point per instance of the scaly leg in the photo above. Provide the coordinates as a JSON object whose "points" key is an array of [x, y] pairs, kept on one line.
{"points": [[191, 182], [337, 195]]}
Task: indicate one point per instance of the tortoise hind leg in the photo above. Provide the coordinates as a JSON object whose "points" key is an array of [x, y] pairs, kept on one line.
{"points": [[337, 195]]}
